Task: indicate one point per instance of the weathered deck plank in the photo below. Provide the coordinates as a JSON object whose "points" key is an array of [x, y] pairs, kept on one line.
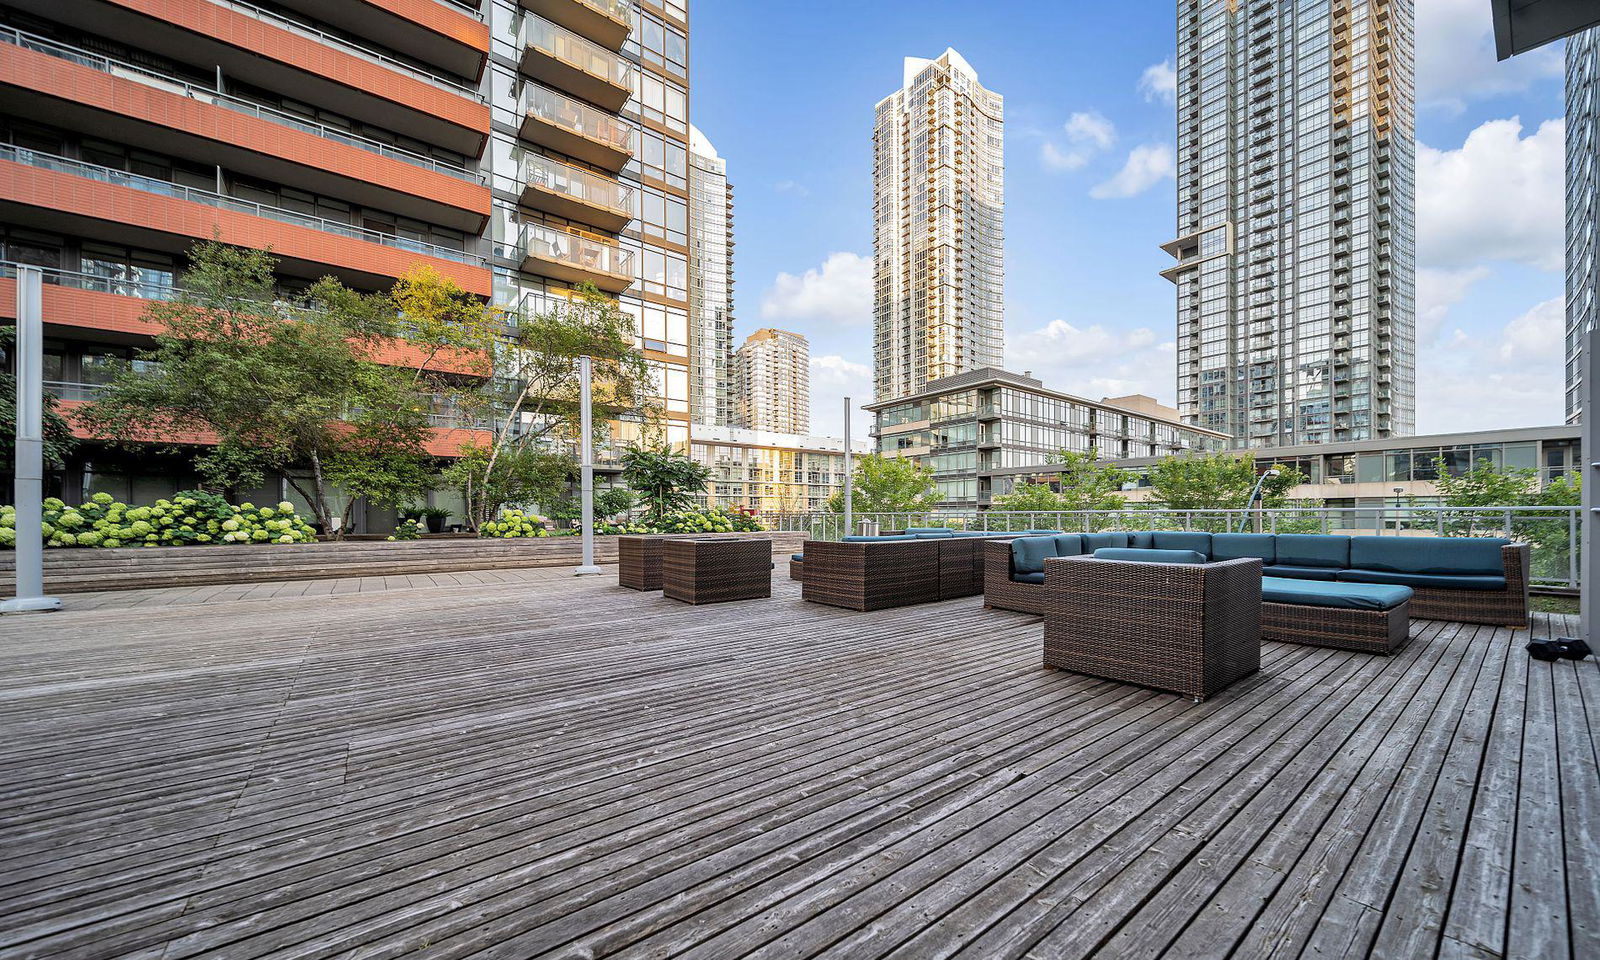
{"points": [[519, 763]]}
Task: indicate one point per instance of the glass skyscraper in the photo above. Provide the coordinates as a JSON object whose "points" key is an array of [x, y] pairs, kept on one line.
{"points": [[1296, 240], [710, 283], [938, 208], [1583, 225]]}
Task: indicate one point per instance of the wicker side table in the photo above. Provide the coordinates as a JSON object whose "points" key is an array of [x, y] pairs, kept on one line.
{"points": [[639, 561], [712, 571], [1188, 628]]}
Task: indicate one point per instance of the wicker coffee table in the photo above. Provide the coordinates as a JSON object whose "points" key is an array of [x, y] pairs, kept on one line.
{"points": [[1188, 628], [639, 560], [712, 571]]}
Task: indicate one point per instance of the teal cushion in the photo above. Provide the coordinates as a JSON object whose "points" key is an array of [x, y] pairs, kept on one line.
{"points": [[971, 533], [934, 534], [1028, 577], [1345, 596], [1470, 556], [1149, 556], [1094, 541], [886, 538], [1233, 546], [1439, 581], [1069, 545], [929, 530], [797, 556], [1300, 573], [1198, 542], [1038, 533], [1143, 540], [1028, 553], [1313, 550]]}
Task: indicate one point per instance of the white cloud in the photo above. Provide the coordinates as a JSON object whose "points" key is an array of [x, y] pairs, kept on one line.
{"points": [[1146, 166], [1455, 57], [1095, 361], [832, 379], [1088, 133], [1437, 291], [791, 186], [1159, 82], [1499, 197], [840, 292], [1520, 367]]}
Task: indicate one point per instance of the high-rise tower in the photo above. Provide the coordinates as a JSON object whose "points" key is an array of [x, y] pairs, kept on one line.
{"points": [[772, 374], [1296, 241], [1583, 206], [938, 207], [710, 283]]}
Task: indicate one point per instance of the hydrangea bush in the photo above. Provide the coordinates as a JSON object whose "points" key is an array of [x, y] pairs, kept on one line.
{"points": [[189, 518], [707, 521], [512, 524]]}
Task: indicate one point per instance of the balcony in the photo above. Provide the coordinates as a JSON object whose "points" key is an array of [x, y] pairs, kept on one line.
{"points": [[556, 56], [574, 128], [437, 32], [576, 259], [576, 194], [606, 22]]}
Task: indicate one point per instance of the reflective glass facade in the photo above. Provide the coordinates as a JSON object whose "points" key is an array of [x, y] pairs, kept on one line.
{"points": [[1296, 245], [1583, 216], [938, 208], [710, 284], [772, 382]]}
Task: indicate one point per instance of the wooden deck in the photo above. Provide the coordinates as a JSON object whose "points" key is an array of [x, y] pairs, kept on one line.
{"points": [[550, 766]]}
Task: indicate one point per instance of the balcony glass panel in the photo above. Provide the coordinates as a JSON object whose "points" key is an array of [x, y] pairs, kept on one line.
{"points": [[574, 51], [576, 116], [584, 253], [577, 183], [618, 10]]}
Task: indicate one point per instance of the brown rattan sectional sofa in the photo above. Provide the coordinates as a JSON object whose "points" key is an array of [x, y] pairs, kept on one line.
{"points": [[893, 570]]}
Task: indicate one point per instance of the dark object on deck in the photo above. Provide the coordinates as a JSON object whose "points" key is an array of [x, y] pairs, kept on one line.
{"points": [[1564, 648]]}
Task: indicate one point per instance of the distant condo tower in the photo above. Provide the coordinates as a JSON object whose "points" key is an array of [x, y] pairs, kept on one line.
{"points": [[772, 377], [710, 284], [1296, 233], [939, 210]]}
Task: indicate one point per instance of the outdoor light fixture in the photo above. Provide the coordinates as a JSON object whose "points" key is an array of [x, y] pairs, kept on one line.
{"points": [[1255, 495]]}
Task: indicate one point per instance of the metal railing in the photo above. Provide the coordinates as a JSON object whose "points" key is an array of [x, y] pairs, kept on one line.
{"points": [[176, 85], [580, 184], [332, 40], [577, 52], [582, 252], [47, 161], [1552, 532], [576, 116], [67, 390]]}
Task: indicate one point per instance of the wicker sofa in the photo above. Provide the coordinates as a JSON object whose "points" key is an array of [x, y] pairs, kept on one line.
{"points": [[1469, 580], [892, 570]]}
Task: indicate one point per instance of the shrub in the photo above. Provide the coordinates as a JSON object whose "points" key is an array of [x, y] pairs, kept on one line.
{"points": [[707, 521], [407, 530], [512, 524], [188, 518]]}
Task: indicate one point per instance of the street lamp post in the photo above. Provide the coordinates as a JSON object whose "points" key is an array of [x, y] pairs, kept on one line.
{"points": [[849, 486], [586, 471], [29, 449], [1255, 495]]}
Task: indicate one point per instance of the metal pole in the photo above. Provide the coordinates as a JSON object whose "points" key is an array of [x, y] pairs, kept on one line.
{"points": [[849, 485], [1589, 451], [586, 472], [30, 446]]}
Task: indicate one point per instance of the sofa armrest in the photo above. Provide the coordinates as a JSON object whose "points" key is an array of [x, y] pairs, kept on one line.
{"points": [[1518, 561]]}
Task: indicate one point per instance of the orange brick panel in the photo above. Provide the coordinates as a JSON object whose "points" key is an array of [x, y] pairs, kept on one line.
{"points": [[455, 24], [78, 84], [68, 193]]}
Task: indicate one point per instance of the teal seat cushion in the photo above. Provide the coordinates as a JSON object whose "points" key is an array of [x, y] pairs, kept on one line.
{"points": [[1313, 550], [885, 538], [1069, 545], [929, 530], [1184, 540], [1467, 556], [1300, 573], [971, 533], [797, 556], [1321, 593], [1142, 540], [1028, 577], [1438, 581], [1028, 554], [1149, 556], [934, 534], [1094, 541], [1234, 546]]}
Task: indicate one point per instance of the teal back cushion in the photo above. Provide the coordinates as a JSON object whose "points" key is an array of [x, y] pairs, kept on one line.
{"points": [[1463, 555], [1028, 553], [1313, 550], [1233, 546], [934, 534], [880, 539], [1184, 540], [1143, 539], [1069, 545], [1094, 541], [1149, 556], [1038, 533], [929, 530]]}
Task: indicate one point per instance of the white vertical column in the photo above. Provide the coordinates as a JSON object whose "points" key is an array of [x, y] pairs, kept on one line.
{"points": [[30, 446], [849, 480], [1589, 438], [586, 471]]}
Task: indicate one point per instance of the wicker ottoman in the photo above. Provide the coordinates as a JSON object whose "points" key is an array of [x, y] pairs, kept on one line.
{"points": [[712, 571], [1188, 628], [797, 569], [639, 561], [1296, 612]]}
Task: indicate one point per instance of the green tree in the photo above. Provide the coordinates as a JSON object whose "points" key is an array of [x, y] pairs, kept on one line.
{"points": [[273, 387], [57, 432], [1214, 482], [889, 485], [1087, 484], [1030, 498], [664, 481], [534, 402], [524, 475], [1486, 486]]}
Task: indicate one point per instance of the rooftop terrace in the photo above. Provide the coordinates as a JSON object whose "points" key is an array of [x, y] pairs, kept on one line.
{"points": [[522, 764]]}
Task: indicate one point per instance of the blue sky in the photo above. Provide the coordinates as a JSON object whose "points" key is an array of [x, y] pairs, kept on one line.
{"points": [[785, 90]]}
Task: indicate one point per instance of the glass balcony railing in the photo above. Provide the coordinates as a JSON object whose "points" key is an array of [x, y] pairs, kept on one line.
{"points": [[583, 253], [183, 88], [577, 117], [574, 51], [312, 33], [618, 10], [580, 184], [45, 161], [63, 390]]}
